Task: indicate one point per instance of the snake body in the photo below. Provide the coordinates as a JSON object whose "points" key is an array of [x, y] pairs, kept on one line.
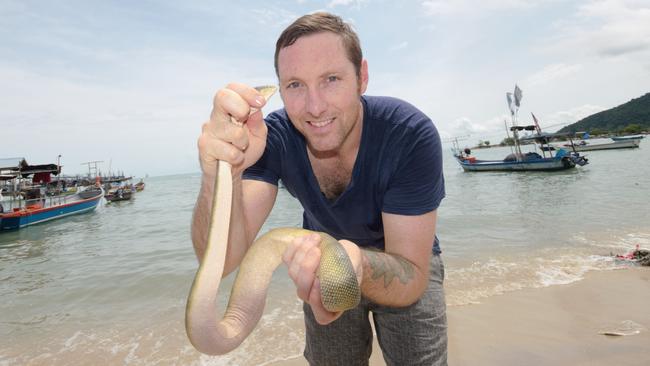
{"points": [[213, 335]]}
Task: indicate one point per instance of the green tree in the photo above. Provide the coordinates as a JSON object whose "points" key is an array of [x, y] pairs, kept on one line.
{"points": [[508, 141], [597, 131], [636, 111], [632, 129]]}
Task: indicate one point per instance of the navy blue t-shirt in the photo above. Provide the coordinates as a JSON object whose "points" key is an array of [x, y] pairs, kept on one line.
{"points": [[398, 170]]}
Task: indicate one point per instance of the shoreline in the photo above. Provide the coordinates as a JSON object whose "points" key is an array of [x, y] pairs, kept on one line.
{"points": [[555, 325]]}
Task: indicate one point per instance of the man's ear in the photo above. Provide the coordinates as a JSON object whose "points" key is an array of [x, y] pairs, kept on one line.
{"points": [[363, 78]]}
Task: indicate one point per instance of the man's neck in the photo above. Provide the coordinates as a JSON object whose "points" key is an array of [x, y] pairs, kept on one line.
{"points": [[333, 169]]}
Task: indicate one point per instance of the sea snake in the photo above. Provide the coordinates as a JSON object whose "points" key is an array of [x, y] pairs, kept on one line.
{"points": [[215, 336]]}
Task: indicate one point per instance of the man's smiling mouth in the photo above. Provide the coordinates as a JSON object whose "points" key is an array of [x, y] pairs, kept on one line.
{"points": [[321, 123]]}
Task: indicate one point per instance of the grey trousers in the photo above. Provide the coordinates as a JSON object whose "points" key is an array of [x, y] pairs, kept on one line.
{"points": [[411, 335]]}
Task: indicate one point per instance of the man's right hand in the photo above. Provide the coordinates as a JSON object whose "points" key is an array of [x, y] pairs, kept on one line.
{"points": [[221, 139]]}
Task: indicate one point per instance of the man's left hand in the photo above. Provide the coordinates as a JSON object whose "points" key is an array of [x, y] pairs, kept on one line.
{"points": [[302, 257]]}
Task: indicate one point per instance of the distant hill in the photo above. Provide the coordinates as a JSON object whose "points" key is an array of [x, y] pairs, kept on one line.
{"points": [[636, 111]]}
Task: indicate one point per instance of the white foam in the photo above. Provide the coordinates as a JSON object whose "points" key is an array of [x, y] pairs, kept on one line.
{"points": [[499, 275]]}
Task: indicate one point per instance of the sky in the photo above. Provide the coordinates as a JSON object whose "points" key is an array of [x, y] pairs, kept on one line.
{"points": [[129, 83]]}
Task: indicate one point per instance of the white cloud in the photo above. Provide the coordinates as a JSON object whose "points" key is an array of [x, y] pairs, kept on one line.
{"points": [[562, 118], [551, 73], [357, 4], [273, 16], [151, 108], [466, 127], [452, 7], [605, 28]]}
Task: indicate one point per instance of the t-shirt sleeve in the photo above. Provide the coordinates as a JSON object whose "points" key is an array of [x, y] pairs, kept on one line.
{"points": [[417, 186], [268, 168]]}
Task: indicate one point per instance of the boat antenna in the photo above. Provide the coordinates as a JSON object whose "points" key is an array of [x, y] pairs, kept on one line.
{"points": [[455, 146], [92, 167]]}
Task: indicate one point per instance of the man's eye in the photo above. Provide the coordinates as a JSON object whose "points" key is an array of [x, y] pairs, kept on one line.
{"points": [[293, 85], [332, 78]]}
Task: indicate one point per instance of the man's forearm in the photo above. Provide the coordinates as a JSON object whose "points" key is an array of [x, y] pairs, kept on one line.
{"points": [[238, 242], [201, 216], [392, 280]]}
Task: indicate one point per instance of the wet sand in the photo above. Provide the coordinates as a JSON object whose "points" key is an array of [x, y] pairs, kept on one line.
{"points": [[557, 325]]}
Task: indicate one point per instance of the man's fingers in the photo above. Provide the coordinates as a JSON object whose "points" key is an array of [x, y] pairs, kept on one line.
{"points": [[322, 315], [236, 101], [302, 257], [228, 104], [215, 149], [250, 95], [238, 136], [307, 272], [243, 145], [256, 125]]}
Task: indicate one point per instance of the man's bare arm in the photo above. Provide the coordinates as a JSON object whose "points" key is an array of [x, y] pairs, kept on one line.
{"points": [[399, 275], [252, 202]]}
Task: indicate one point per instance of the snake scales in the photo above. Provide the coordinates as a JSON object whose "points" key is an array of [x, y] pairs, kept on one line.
{"points": [[213, 335]]}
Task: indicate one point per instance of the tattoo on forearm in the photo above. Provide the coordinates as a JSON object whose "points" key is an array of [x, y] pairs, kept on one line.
{"points": [[389, 267]]}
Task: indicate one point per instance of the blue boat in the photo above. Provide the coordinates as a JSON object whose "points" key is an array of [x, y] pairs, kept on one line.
{"points": [[32, 197], [50, 208], [551, 160], [519, 161], [528, 162]]}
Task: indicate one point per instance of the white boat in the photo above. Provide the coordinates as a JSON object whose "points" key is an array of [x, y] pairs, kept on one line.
{"points": [[603, 145], [629, 137]]}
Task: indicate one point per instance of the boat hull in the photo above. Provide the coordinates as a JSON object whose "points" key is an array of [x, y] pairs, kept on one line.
{"points": [[620, 144], [625, 138], [30, 216], [117, 197], [548, 164]]}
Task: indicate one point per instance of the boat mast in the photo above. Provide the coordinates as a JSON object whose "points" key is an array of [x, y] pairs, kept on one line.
{"points": [[505, 123], [92, 167]]}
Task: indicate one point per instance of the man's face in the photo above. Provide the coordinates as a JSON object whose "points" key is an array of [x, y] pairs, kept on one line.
{"points": [[320, 90]]}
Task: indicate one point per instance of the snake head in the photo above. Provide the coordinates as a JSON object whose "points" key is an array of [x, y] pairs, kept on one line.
{"points": [[267, 91], [338, 281]]}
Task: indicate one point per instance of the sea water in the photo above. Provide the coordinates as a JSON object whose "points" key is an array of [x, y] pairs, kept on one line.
{"points": [[109, 287]]}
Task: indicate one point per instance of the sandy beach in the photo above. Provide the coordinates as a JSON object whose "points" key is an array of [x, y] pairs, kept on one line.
{"points": [[557, 325]]}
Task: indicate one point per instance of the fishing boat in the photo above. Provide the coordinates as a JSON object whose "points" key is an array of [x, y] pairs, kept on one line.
{"points": [[628, 137], [32, 198], [118, 188], [550, 159], [604, 145], [139, 187], [121, 193], [50, 208]]}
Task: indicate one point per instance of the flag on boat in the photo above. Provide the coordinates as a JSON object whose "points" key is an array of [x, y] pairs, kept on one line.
{"points": [[518, 96], [512, 108], [539, 129]]}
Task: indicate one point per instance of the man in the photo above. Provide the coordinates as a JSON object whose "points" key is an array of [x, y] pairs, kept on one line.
{"points": [[367, 170]]}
